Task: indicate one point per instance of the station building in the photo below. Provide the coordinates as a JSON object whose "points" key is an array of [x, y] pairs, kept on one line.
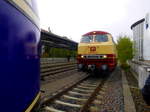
{"points": [[141, 38]]}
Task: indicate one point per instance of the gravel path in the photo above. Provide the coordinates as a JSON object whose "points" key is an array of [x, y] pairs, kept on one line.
{"points": [[112, 99]]}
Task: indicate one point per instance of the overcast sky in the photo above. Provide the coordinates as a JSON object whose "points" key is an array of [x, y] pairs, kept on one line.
{"points": [[73, 18]]}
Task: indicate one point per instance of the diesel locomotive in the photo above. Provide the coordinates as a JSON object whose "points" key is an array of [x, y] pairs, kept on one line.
{"points": [[19, 56], [97, 52]]}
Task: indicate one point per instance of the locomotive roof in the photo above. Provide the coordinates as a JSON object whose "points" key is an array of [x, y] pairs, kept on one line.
{"points": [[96, 32]]}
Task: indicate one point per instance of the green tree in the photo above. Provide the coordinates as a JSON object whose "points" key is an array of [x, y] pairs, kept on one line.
{"points": [[125, 49], [51, 52]]}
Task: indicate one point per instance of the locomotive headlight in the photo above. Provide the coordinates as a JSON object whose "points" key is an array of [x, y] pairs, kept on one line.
{"points": [[105, 56], [82, 56]]}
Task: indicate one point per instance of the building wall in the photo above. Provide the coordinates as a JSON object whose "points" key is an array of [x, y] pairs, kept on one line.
{"points": [[138, 41], [141, 38], [139, 70], [146, 42]]}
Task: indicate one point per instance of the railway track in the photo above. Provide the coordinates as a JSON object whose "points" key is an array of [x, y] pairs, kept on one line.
{"points": [[49, 69], [83, 96]]}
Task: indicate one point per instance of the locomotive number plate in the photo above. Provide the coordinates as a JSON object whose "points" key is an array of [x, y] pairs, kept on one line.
{"points": [[92, 49]]}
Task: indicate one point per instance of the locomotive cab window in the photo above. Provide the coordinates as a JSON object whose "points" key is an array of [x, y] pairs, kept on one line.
{"points": [[101, 38], [94, 38], [86, 39]]}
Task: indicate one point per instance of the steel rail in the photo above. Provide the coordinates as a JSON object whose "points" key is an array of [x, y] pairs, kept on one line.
{"points": [[50, 99]]}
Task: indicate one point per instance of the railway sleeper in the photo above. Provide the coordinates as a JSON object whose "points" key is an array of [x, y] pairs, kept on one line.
{"points": [[85, 87], [51, 109], [67, 104], [89, 85], [77, 93], [75, 98], [55, 65], [56, 71], [83, 90], [55, 68]]}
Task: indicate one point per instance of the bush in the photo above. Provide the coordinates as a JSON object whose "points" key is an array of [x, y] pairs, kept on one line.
{"points": [[58, 52], [125, 66]]}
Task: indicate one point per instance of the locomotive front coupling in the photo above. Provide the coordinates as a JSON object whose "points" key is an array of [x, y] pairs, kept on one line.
{"points": [[91, 67]]}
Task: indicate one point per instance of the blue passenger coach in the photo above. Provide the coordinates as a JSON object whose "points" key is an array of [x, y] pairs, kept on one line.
{"points": [[19, 55]]}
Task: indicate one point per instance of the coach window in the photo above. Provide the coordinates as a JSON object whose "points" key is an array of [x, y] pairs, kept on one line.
{"points": [[101, 38]]}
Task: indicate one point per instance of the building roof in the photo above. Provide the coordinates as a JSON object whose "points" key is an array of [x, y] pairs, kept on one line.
{"points": [[138, 22], [53, 40]]}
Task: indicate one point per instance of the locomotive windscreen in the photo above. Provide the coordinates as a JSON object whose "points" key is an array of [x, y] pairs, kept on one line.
{"points": [[94, 38], [101, 38], [87, 39]]}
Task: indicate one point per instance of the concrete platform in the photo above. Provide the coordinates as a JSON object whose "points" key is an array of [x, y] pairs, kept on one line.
{"points": [[129, 105]]}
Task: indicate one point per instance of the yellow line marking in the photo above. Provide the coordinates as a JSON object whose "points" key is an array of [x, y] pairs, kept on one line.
{"points": [[33, 103]]}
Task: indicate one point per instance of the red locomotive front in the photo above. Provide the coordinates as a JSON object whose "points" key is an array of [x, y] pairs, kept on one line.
{"points": [[97, 52]]}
